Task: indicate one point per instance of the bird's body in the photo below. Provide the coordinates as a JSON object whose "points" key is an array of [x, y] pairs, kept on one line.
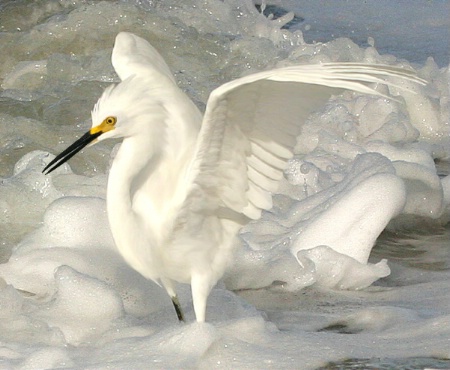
{"points": [[182, 185], [149, 179]]}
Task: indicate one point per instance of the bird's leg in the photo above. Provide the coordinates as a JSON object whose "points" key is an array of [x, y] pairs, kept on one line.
{"points": [[178, 309], [168, 285], [201, 286]]}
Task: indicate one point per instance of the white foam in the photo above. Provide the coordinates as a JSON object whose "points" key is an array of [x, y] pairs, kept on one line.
{"points": [[83, 308], [351, 223], [340, 271], [75, 233], [26, 194], [67, 299], [47, 358]]}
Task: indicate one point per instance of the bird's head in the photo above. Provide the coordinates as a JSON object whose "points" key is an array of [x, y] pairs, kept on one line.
{"points": [[97, 132], [109, 120]]}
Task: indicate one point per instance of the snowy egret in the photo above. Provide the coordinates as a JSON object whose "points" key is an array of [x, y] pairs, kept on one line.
{"points": [[181, 186]]}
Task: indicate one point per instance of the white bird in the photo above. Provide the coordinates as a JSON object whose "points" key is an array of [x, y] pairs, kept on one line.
{"points": [[181, 186]]}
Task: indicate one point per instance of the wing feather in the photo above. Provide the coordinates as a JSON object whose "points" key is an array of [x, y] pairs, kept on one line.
{"points": [[268, 158], [133, 55], [250, 127], [261, 179], [259, 165], [259, 196]]}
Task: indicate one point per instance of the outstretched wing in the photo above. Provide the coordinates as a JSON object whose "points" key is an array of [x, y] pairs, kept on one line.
{"points": [[250, 127]]}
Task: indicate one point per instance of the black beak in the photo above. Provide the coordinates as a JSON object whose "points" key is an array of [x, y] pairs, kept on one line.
{"points": [[71, 151]]}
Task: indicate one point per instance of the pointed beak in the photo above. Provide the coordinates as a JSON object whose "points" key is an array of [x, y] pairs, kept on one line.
{"points": [[107, 125], [73, 149]]}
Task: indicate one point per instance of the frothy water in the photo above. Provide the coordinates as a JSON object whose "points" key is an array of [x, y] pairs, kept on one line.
{"points": [[350, 269]]}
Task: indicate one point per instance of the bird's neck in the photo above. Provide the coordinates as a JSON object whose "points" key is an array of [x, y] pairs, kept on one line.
{"points": [[131, 238], [146, 185]]}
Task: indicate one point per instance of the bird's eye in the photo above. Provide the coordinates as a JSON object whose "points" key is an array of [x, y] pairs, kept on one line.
{"points": [[111, 121]]}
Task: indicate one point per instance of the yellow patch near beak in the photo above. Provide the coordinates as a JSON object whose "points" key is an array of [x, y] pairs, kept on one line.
{"points": [[107, 125]]}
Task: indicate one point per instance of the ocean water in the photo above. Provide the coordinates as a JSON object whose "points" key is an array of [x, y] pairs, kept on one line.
{"points": [[346, 271]]}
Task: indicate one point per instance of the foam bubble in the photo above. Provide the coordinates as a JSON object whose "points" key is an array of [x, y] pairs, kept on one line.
{"points": [[352, 222], [338, 271], [27, 193], [47, 358], [65, 283], [83, 307]]}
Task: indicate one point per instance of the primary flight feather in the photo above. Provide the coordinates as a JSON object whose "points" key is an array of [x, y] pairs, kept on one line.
{"points": [[182, 185]]}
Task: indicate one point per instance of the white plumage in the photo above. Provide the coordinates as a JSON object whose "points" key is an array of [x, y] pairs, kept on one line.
{"points": [[181, 186]]}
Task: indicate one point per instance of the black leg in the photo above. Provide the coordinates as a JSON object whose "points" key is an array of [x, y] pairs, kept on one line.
{"points": [[178, 309]]}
